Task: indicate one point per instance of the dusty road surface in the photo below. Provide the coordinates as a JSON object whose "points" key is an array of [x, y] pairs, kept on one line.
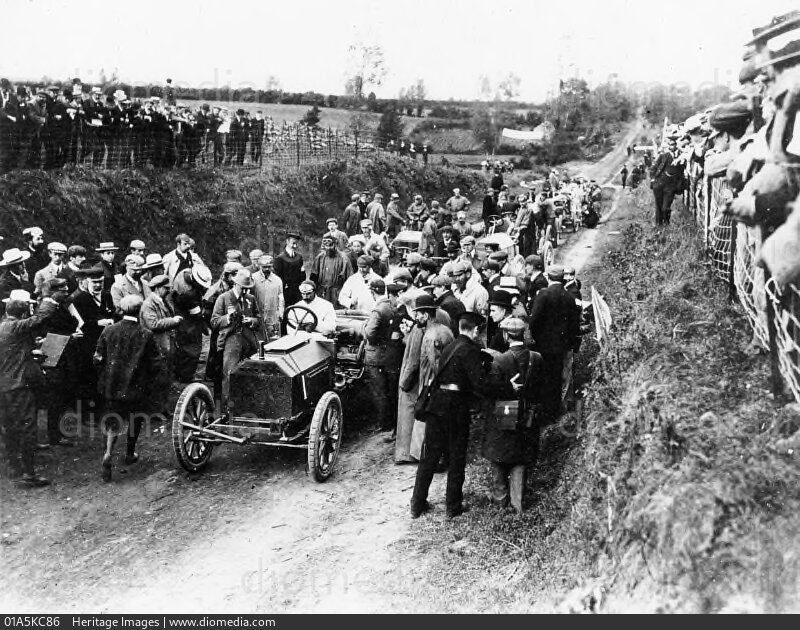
{"points": [[251, 533]]}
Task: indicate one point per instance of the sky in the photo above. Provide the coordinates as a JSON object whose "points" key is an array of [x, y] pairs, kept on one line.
{"points": [[447, 44]]}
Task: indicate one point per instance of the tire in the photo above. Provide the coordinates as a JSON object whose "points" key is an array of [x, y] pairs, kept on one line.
{"points": [[195, 405], [325, 436], [575, 220], [548, 254]]}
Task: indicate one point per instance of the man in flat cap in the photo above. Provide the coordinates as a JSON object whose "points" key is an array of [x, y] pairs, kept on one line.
{"points": [[355, 293], [58, 253], [469, 254], [376, 213], [340, 237], [555, 326], [320, 307], [180, 258], [394, 216], [129, 283], [330, 269], [472, 294], [511, 435], [373, 240]]}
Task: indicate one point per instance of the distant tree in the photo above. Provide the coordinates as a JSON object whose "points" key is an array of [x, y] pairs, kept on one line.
{"points": [[484, 129], [367, 67], [508, 88], [390, 126], [312, 117], [372, 102]]}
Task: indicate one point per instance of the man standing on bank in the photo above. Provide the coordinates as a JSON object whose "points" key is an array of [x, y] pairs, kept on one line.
{"points": [[460, 375]]}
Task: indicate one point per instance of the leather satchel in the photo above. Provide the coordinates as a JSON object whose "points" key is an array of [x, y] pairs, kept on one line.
{"points": [[421, 403], [506, 414]]}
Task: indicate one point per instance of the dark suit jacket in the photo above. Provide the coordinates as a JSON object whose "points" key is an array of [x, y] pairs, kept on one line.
{"points": [[91, 313], [128, 362], [555, 320]]}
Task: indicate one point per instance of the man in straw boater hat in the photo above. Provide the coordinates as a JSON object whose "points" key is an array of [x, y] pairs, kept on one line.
{"points": [[108, 252], [21, 380], [128, 364], [188, 288], [13, 274], [238, 324]]}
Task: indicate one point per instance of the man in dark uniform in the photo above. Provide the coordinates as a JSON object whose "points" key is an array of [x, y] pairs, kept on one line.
{"points": [[290, 267], [257, 131], [446, 301], [489, 206], [9, 113], [461, 374], [555, 326]]}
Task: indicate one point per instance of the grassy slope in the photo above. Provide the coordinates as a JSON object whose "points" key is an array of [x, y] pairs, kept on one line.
{"points": [[671, 493], [220, 209]]}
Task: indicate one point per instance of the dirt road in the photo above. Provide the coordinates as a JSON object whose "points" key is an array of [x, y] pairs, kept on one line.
{"points": [[252, 533]]}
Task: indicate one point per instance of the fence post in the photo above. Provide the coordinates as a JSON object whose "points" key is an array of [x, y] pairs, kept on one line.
{"points": [[709, 201], [297, 146], [355, 136], [731, 280], [774, 362], [330, 148]]}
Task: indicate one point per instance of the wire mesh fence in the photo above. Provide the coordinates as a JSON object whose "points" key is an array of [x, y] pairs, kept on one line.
{"points": [[181, 142], [773, 312]]}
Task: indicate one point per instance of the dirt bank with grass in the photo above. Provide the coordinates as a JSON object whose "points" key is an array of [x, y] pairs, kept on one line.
{"points": [[221, 209]]}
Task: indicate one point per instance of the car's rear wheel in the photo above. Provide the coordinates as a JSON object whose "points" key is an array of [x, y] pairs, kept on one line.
{"points": [[548, 254], [325, 436], [195, 407]]}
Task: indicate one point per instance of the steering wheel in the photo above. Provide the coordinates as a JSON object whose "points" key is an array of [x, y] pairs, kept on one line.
{"points": [[298, 322]]}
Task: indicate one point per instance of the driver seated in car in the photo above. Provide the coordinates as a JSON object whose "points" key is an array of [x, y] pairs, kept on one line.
{"points": [[323, 309]]}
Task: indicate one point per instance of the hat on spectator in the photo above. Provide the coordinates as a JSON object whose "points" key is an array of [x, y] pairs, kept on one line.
{"points": [[569, 271], [19, 295], [364, 261], [456, 191], [731, 117], [427, 264], [355, 197], [137, 244], [334, 219], [309, 283], [55, 246], [97, 90], [394, 196], [152, 261], [492, 264], [413, 258], [107, 246], [789, 55], [460, 267], [441, 281], [56, 284], [510, 284], [76, 250], [33, 231], [393, 288], [202, 275], [401, 273], [233, 254], [133, 262], [468, 240], [461, 215], [377, 285], [473, 319], [120, 96], [425, 302], [778, 25], [365, 223], [514, 326], [555, 272], [357, 237], [94, 272], [244, 278], [231, 266], [158, 281], [294, 234], [255, 254], [446, 228], [452, 247], [535, 261], [501, 298], [500, 256], [328, 237], [434, 204]]}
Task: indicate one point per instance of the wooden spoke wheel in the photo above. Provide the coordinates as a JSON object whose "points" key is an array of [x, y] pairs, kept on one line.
{"points": [[196, 407], [325, 436]]}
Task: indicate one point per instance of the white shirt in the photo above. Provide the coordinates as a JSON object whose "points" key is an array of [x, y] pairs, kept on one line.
{"points": [[326, 315], [355, 293]]}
